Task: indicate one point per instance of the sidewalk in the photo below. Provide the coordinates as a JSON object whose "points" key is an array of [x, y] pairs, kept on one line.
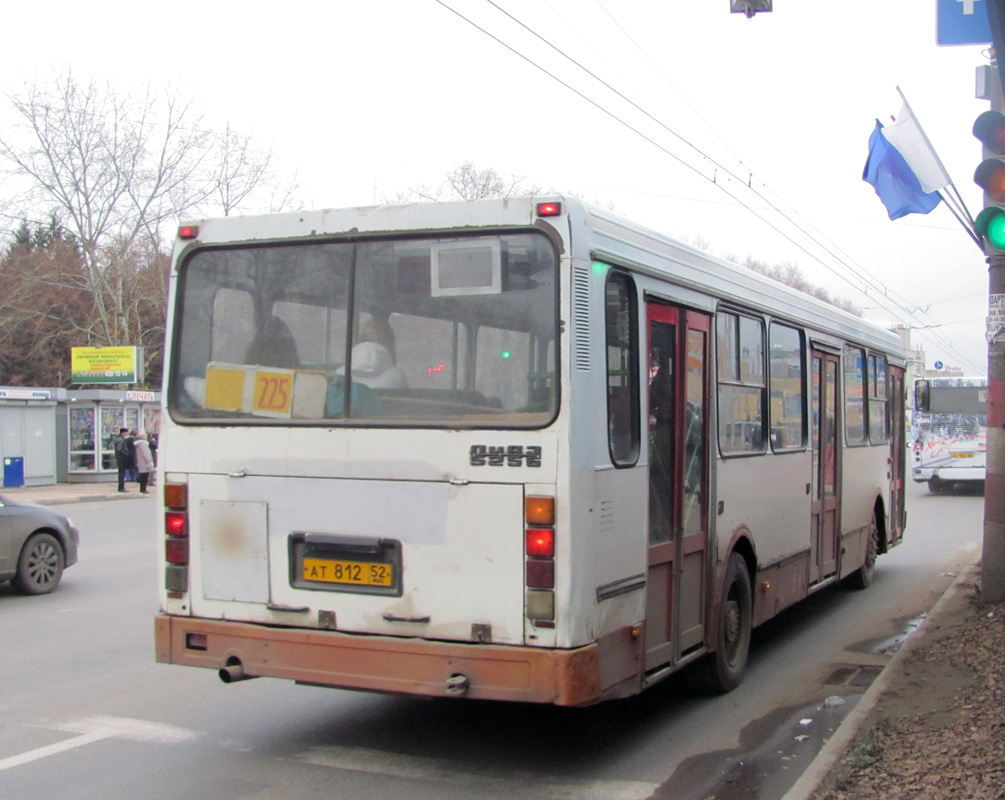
{"points": [[60, 493], [931, 725]]}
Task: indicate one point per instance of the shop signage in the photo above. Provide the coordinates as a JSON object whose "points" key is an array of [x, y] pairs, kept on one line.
{"points": [[25, 394], [104, 364]]}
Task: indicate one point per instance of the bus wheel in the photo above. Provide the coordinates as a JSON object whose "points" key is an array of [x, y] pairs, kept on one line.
{"points": [[722, 670], [862, 577], [936, 486]]}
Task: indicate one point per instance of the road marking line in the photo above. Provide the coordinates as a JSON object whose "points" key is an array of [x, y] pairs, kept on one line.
{"points": [[97, 728], [398, 765], [50, 750]]}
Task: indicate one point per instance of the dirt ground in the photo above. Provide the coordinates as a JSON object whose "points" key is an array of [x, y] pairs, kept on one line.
{"points": [[938, 732]]}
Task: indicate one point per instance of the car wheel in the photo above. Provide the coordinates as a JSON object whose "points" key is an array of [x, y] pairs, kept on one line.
{"points": [[40, 566]]}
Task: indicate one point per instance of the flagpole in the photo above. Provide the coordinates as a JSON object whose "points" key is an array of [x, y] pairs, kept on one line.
{"points": [[938, 161], [971, 231]]}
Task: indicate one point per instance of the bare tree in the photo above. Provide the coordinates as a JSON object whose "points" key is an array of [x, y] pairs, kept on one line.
{"points": [[243, 175], [115, 168], [791, 275], [468, 182]]}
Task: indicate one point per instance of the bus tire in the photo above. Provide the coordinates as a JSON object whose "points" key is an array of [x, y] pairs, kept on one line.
{"points": [[862, 577], [723, 670], [937, 486]]}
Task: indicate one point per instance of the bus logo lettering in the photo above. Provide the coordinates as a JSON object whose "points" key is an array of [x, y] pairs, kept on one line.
{"points": [[513, 455]]}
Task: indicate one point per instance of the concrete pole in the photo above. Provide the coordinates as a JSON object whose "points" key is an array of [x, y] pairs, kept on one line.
{"points": [[993, 568]]}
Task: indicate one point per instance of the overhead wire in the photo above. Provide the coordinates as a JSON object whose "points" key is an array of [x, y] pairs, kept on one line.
{"points": [[865, 279], [858, 270]]}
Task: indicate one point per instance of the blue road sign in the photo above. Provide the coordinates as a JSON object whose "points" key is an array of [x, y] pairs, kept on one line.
{"points": [[962, 22]]}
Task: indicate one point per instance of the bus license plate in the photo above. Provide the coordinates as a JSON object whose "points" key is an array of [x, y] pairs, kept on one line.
{"points": [[963, 455], [353, 573]]}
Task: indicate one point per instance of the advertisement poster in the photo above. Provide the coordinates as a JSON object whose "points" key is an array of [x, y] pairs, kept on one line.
{"points": [[105, 364]]}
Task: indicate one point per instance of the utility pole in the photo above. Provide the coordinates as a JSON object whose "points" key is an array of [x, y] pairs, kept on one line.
{"points": [[993, 567]]}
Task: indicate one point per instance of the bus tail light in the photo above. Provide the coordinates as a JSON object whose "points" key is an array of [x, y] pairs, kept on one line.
{"points": [[539, 567], [539, 510], [176, 538], [541, 542], [176, 551], [175, 523]]}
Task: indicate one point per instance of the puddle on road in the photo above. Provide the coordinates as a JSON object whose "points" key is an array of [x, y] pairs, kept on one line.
{"points": [[890, 644], [774, 751]]}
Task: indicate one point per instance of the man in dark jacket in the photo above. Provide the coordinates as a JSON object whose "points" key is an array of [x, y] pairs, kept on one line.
{"points": [[125, 458]]}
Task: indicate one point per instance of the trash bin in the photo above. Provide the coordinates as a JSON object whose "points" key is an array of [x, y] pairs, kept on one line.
{"points": [[13, 471]]}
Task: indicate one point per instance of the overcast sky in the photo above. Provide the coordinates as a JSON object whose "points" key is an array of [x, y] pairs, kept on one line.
{"points": [[366, 98]]}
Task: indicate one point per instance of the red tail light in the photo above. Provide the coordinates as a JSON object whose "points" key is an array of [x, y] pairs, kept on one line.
{"points": [[175, 523], [541, 542], [539, 564], [176, 541]]}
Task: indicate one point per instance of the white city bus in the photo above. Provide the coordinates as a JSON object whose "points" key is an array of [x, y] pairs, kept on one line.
{"points": [[572, 455], [950, 432]]}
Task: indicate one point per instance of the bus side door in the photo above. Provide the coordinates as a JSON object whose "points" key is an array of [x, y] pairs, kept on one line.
{"points": [[898, 454], [676, 584], [825, 483]]}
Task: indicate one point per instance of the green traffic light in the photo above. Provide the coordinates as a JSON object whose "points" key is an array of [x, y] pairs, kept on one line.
{"points": [[505, 354], [990, 224]]}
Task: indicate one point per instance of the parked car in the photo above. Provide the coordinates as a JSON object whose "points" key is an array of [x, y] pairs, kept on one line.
{"points": [[36, 545]]}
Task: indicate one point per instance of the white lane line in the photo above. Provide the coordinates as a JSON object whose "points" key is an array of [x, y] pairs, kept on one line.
{"points": [[398, 765], [50, 750], [97, 728]]}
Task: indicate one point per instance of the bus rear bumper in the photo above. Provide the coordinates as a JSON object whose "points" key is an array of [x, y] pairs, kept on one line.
{"points": [[948, 474], [383, 663]]}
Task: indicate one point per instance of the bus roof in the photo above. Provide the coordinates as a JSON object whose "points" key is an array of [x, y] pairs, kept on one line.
{"points": [[596, 234]]}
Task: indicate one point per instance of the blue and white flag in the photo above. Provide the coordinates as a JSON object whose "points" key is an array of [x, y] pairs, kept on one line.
{"points": [[894, 181]]}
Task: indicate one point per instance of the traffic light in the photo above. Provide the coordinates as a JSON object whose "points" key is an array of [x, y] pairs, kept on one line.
{"points": [[989, 127]]}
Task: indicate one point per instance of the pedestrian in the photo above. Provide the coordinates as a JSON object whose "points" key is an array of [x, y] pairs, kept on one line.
{"points": [[131, 439], [154, 443], [144, 461], [124, 456]]}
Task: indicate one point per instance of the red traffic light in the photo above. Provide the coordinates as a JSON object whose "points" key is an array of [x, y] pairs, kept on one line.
{"points": [[989, 127]]}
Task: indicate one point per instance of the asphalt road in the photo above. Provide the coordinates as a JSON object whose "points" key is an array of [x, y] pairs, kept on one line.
{"points": [[86, 713]]}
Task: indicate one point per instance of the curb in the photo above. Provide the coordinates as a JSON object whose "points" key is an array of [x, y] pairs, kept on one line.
{"points": [[90, 498], [825, 761]]}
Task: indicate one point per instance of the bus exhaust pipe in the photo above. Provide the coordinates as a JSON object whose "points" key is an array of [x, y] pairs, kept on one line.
{"points": [[234, 672], [458, 684]]}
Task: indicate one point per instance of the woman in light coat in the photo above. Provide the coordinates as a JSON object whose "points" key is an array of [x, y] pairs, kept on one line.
{"points": [[144, 461]]}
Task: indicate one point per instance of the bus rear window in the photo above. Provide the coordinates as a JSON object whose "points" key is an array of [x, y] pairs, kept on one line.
{"points": [[434, 332]]}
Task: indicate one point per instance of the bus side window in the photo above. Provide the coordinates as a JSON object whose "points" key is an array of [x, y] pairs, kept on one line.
{"points": [[622, 370], [740, 349]]}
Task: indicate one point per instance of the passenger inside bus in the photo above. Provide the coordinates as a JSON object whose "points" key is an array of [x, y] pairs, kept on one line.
{"points": [[373, 358], [274, 346]]}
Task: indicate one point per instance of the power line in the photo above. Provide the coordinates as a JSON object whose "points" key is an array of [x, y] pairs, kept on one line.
{"points": [[866, 280]]}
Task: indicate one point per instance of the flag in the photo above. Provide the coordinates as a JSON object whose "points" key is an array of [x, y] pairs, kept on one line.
{"points": [[894, 181], [908, 137]]}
